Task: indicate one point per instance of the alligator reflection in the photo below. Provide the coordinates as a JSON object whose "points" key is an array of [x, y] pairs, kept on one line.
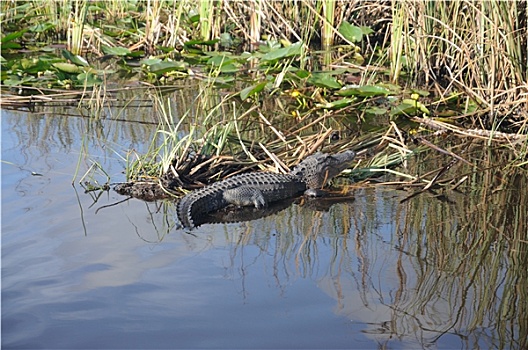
{"points": [[244, 214]]}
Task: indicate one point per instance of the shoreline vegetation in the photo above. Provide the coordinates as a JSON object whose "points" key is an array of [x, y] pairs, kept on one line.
{"points": [[279, 80]]}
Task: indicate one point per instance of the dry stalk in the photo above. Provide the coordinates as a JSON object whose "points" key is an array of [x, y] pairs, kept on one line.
{"points": [[476, 133]]}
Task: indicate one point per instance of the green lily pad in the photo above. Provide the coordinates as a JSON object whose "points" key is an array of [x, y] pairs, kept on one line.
{"points": [[116, 51], [410, 107], [78, 60], [269, 45], [324, 80], [15, 80], [150, 61], [303, 74], [66, 67], [283, 52], [342, 103], [41, 27], [219, 60], [229, 68], [88, 79], [168, 66], [365, 91], [376, 110]]}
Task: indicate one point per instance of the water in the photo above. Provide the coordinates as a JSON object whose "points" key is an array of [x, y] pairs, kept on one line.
{"points": [[81, 273]]}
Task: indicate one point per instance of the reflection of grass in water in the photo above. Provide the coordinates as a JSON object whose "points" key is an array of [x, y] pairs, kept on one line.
{"points": [[470, 251], [460, 255]]}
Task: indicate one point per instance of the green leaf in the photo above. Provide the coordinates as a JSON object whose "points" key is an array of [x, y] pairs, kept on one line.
{"points": [[324, 80], [78, 60], [301, 73], [41, 27], [194, 18], [269, 45], [396, 89], [226, 40], [10, 46], [13, 36], [116, 51], [88, 79], [424, 93], [252, 90], [275, 54], [229, 68], [14, 80], [66, 67], [219, 60], [223, 80], [168, 66], [418, 105], [365, 91], [336, 104], [351, 32], [164, 49], [34, 66], [136, 54], [376, 110], [150, 61], [409, 106], [94, 8], [292, 50]]}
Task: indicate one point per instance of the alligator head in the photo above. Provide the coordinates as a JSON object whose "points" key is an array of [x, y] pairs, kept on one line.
{"points": [[317, 169]]}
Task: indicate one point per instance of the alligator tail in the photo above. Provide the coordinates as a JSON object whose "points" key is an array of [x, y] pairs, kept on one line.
{"points": [[197, 204]]}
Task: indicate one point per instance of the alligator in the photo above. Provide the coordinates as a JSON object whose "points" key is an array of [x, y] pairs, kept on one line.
{"points": [[258, 189], [229, 215]]}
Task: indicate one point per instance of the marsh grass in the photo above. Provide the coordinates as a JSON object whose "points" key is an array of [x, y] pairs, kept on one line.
{"points": [[474, 47], [473, 50]]}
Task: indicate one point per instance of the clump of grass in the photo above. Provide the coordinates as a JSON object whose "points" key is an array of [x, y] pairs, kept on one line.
{"points": [[474, 47]]}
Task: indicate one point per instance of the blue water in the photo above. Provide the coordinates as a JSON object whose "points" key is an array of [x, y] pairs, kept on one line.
{"points": [[79, 275]]}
